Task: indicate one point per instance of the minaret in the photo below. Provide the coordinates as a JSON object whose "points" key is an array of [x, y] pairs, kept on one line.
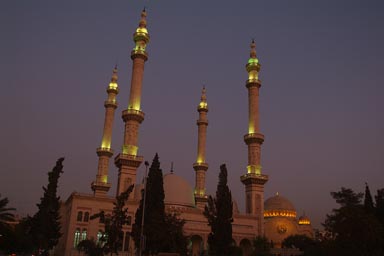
{"points": [[254, 181], [201, 166], [128, 161], [101, 186]]}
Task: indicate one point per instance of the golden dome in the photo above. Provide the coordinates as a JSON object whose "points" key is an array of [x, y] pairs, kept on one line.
{"points": [[304, 220], [279, 206]]}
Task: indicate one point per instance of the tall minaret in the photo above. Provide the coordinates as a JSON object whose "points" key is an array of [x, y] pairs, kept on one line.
{"points": [[201, 166], [128, 161], [254, 181], [101, 186]]}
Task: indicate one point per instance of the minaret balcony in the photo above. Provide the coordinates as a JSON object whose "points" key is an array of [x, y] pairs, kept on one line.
{"points": [[253, 178], [110, 104], [253, 83], [100, 186], [128, 160], [133, 114], [254, 138], [139, 53], [200, 166], [203, 122], [104, 152]]}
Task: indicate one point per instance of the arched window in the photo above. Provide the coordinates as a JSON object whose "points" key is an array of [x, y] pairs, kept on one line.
{"points": [[86, 217], [76, 239], [80, 216], [84, 234], [99, 236]]}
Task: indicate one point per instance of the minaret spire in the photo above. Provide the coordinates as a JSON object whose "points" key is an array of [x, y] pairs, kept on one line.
{"points": [[253, 180], [101, 185], [128, 161], [201, 166]]}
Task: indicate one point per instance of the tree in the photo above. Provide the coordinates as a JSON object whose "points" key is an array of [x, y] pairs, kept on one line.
{"points": [[306, 244], [354, 231], [45, 223], [219, 215], [113, 224], [262, 246], [90, 247], [5, 214], [368, 201], [163, 232]]}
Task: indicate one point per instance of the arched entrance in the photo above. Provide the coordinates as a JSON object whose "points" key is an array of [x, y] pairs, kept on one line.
{"points": [[246, 247], [196, 245]]}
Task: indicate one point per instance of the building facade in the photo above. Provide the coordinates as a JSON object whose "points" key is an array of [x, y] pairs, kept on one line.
{"points": [[180, 197]]}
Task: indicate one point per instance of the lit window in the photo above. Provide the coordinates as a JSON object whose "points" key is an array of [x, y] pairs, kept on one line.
{"points": [[99, 235], [84, 234], [86, 217], [80, 216], [76, 239]]}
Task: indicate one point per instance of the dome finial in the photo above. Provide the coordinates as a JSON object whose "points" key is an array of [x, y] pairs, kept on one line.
{"points": [[114, 74], [203, 94], [143, 21], [253, 49], [172, 167]]}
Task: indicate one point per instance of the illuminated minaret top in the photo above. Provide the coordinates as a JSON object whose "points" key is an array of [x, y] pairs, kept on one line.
{"points": [[201, 166], [128, 161], [101, 185], [253, 180]]}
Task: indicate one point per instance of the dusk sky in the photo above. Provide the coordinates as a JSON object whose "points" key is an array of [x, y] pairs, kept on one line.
{"points": [[321, 100]]}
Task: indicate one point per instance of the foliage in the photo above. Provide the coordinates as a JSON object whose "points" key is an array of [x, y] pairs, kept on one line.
{"points": [[368, 201], [90, 247], [354, 231], [45, 226], [261, 246], [309, 246], [219, 215], [5, 214], [113, 223], [18, 240], [163, 232]]}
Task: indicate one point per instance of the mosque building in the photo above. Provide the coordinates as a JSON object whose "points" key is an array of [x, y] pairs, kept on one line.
{"points": [[275, 218]]}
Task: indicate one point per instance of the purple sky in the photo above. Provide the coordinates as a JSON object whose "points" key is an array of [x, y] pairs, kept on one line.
{"points": [[321, 100]]}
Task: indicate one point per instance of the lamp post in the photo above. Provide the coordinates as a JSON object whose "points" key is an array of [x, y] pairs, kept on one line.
{"points": [[142, 217]]}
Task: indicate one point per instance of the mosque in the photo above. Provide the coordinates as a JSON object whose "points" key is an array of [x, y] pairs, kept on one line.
{"points": [[275, 218]]}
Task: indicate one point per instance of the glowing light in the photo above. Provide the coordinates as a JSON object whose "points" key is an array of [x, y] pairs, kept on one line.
{"points": [[280, 213], [254, 169], [253, 61], [140, 30], [104, 179], [112, 85], [203, 104], [251, 129], [106, 144], [130, 150]]}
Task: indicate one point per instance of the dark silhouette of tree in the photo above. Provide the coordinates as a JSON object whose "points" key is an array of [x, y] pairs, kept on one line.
{"points": [[6, 214], [18, 240], [353, 230], [368, 201], [261, 246], [113, 223], [90, 247], [45, 228], [219, 215], [163, 232], [307, 245]]}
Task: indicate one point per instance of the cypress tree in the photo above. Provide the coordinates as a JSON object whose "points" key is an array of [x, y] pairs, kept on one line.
{"points": [[46, 222], [219, 215], [163, 232], [368, 201]]}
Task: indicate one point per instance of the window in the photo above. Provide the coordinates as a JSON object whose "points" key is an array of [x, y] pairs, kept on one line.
{"points": [[129, 220], [80, 216], [99, 236], [84, 234], [86, 217], [76, 239]]}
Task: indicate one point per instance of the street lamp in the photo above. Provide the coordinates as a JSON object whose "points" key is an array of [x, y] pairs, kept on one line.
{"points": [[142, 217]]}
